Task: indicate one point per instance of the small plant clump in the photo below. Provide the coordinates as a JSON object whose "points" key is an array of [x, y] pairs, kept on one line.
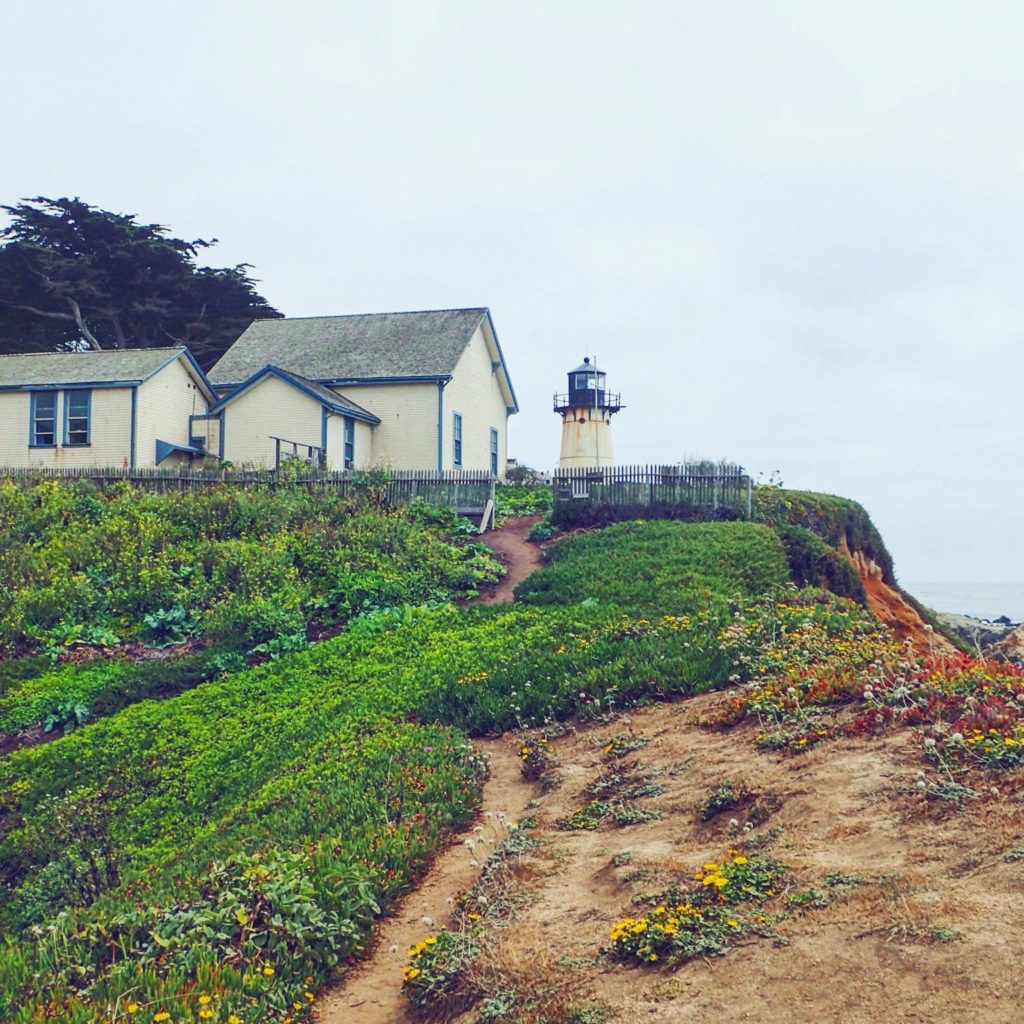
{"points": [[703, 920], [624, 743]]}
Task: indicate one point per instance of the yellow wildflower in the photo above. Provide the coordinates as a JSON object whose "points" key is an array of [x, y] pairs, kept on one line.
{"points": [[206, 1013], [203, 1000], [268, 971], [132, 1007], [162, 1015]]}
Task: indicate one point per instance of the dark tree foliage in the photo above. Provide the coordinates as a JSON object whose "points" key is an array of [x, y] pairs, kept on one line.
{"points": [[73, 276]]}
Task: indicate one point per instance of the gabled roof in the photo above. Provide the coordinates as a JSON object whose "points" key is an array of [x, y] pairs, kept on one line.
{"points": [[108, 367], [424, 344], [325, 396]]}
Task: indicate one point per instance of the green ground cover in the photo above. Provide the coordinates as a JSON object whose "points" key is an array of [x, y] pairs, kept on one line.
{"points": [[238, 566], [57, 694], [236, 841], [658, 567]]}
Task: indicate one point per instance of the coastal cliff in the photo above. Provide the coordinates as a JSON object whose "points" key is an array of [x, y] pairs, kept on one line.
{"points": [[832, 542]]}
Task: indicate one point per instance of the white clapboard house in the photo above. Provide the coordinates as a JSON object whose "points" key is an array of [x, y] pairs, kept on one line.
{"points": [[420, 391]]}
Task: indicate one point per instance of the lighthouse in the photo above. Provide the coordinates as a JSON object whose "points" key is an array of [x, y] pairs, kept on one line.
{"points": [[586, 410]]}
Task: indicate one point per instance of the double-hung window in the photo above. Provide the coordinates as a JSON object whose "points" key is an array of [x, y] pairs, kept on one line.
{"points": [[494, 452], [42, 427], [350, 442], [457, 439], [77, 408]]}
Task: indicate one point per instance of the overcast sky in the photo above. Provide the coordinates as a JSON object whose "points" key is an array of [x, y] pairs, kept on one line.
{"points": [[791, 232]]}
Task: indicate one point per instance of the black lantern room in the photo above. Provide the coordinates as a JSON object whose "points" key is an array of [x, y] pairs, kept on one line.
{"points": [[587, 389]]}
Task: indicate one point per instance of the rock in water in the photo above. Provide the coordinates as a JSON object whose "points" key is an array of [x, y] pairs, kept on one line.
{"points": [[980, 634]]}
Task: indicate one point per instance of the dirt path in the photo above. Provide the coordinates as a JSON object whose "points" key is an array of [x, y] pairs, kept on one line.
{"points": [[372, 994], [519, 555]]}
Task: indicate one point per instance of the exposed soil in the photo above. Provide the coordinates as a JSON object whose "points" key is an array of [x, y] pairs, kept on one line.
{"points": [[932, 933], [890, 606], [519, 556]]}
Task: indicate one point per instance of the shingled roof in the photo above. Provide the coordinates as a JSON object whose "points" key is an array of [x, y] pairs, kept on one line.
{"points": [[338, 403], [367, 346], [110, 366]]}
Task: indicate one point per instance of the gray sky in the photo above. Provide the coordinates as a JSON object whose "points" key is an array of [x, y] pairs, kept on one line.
{"points": [[790, 231]]}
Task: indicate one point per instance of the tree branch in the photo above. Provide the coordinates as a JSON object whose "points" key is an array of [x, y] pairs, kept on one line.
{"points": [[89, 336], [39, 312]]}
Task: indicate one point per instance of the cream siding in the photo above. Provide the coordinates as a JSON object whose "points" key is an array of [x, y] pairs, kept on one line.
{"points": [[270, 407], [110, 437], [335, 442], [165, 403], [406, 437], [475, 393], [365, 438]]}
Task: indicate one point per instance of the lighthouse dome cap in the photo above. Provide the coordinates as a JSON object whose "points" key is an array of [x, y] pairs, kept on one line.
{"points": [[586, 367]]}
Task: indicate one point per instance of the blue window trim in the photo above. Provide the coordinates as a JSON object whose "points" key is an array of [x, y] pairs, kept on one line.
{"points": [[68, 443], [350, 443], [34, 397], [457, 439], [440, 426], [135, 427], [494, 451]]}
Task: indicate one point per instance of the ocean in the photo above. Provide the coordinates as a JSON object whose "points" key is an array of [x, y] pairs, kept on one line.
{"points": [[982, 600]]}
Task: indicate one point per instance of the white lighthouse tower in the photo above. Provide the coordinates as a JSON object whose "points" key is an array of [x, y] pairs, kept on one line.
{"points": [[586, 412]]}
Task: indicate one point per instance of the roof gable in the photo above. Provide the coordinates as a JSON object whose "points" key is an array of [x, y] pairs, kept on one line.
{"points": [[109, 366], [417, 345], [325, 396]]}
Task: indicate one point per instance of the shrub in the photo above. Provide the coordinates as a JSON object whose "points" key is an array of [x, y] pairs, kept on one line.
{"points": [[138, 564], [813, 563]]}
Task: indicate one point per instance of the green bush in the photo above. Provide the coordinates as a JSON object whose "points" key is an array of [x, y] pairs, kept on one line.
{"points": [[154, 566], [813, 563], [101, 685], [835, 520]]}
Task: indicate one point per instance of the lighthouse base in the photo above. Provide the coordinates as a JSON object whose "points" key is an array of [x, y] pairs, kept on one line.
{"points": [[586, 439]]}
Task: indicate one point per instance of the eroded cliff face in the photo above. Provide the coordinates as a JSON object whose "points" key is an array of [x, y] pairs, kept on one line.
{"points": [[892, 608]]}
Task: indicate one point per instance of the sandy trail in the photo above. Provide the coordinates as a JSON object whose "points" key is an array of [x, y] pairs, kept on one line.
{"points": [[519, 556], [372, 993]]}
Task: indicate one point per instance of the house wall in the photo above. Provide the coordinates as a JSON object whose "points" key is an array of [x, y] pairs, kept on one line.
{"points": [[475, 393], [270, 407], [406, 437], [165, 403], [110, 431]]}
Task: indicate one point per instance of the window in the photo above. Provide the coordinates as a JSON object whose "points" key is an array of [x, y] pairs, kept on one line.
{"points": [[457, 439], [494, 452], [350, 442], [586, 381], [77, 406], [42, 427]]}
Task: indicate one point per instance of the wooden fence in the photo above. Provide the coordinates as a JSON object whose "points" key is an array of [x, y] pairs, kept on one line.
{"points": [[469, 492], [701, 485]]}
